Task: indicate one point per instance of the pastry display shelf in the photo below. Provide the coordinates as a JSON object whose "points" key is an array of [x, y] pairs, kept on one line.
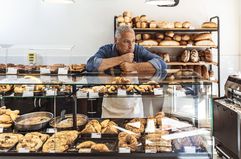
{"points": [[191, 63], [183, 47], [175, 29]]}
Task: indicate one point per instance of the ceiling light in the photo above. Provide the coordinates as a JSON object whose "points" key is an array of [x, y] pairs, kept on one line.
{"points": [[59, 1], [160, 3]]}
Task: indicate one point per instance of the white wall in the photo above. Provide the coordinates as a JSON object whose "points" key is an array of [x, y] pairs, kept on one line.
{"points": [[89, 24]]}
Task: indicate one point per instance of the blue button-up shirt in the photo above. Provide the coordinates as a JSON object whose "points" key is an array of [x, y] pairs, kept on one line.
{"points": [[140, 55]]}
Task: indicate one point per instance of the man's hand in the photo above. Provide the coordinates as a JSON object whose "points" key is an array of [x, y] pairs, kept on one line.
{"points": [[127, 57], [128, 67]]}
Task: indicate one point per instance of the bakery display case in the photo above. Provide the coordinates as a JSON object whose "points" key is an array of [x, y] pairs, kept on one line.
{"points": [[180, 44], [175, 123]]}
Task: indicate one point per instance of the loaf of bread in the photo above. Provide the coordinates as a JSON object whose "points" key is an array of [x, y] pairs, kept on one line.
{"points": [[165, 25], [138, 25], [144, 24], [203, 36], [186, 37], [148, 43], [204, 43], [208, 55], [186, 24], [177, 38], [198, 70], [143, 18], [167, 38], [194, 56], [169, 43], [205, 73], [169, 34], [178, 25], [153, 24], [136, 19], [120, 19], [183, 43], [146, 36], [185, 56], [159, 35], [209, 25]]}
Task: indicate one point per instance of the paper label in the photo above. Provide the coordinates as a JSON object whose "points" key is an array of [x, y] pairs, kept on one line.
{"points": [[93, 94], [96, 135], [50, 93], [23, 150], [124, 150], [12, 70], [190, 149], [63, 71], [63, 79], [158, 91], [27, 94], [44, 70], [81, 94], [121, 92], [50, 130], [1, 129], [84, 150], [150, 151]]}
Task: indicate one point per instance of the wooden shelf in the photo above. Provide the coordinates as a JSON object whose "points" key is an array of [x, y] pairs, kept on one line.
{"points": [[191, 63], [183, 47], [177, 29]]}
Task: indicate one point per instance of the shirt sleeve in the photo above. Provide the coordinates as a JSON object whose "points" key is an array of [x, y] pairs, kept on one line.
{"points": [[155, 60], [94, 61]]}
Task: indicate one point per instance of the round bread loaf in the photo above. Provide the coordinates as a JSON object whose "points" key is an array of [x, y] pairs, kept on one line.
{"points": [[169, 43], [203, 36], [209, 25], [178, 25]]}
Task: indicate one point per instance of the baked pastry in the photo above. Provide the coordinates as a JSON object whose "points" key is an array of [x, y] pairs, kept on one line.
{"points": [[136, 19], [127, 140], [159, 35], [159, 116], [167, 38], [143, 18], [149, 43], [205, 73], [169, 34], [178, 24], [194, 57], [7, 116], [203, 36], [209, 25], [169, 43], [204, 43], [108, 127], [177, 38], [186, 24], [5, 88], [165, 25], [208, 55], [8, 140], [186, 37], [185, 56], [144, 24], [136, 129], [100, 148], [146, 36], [138, 37], [86, 144], [31, 143], [153, 24], [19, 88], [198, 70]]}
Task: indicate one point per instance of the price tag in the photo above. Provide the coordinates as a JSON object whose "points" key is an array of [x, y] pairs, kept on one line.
{"points": [[64, 79], [27, 94], [50, 130], [84, 150], [1, 129], [81, 94], [50, 93], [63, 71], [12, 70], [150, 151], [124, 150], [121, 92], [44, 70], [96, 135], [93, 94], [190, 149], [158, 91], [23, 150], [45, 79]]}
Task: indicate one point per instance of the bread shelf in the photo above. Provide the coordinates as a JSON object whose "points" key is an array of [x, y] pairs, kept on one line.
{"points": [[183, 47], [187, 81], [191, 63], [176, 29]]}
